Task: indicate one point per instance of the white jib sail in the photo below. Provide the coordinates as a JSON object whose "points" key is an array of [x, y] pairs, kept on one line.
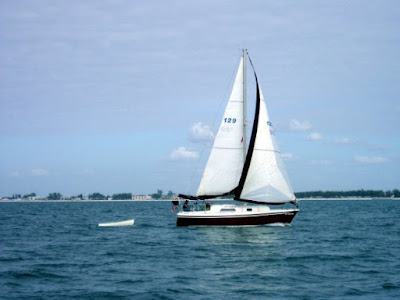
{"points": [[267, 180], [225, 164]]}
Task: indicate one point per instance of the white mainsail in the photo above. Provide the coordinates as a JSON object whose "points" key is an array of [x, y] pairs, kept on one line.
{"points": [[225, 164], [266, 180]]}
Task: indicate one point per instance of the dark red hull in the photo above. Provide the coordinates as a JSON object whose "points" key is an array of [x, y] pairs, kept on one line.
{"points": [[261, 219]]}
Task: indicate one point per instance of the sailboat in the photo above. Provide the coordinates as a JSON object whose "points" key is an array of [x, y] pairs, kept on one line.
{"points": [[254, 175]]}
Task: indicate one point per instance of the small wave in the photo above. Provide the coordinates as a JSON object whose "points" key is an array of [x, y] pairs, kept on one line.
{"points": [[278, 225], [355, 292], [130, 281], [38, 274], [24, 275], [105, 295], [10, 259], [390, 286], [14, 284], [370, 272], [348, 237]]}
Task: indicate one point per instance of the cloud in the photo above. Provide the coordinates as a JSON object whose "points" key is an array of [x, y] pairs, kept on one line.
{"points": [[15, 174], [183, 153], [297, 125], [40, 172], [322, 162], [379, 148], [315, 136], [86, 172], [370, 159], [201, 133], [288, 156], [343, 141], [24, 15]]}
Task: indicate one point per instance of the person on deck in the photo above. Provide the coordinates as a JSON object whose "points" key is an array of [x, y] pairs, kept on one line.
{"points": [[186, 206]]}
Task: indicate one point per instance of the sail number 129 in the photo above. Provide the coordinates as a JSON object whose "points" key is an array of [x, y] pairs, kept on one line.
{"points": [[230, 120]]}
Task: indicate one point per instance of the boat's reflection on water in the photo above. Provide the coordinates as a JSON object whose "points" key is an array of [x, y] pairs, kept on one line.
{"points": [[243, 254], [267, 235]]}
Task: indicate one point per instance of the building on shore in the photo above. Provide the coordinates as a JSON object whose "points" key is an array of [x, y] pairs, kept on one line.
{"points": [[141, 197]]}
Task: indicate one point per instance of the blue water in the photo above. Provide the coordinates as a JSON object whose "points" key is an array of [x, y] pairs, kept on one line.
{"points": [[333, 249]]}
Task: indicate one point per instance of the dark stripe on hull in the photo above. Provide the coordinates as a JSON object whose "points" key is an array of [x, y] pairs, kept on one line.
{"points": [[285, 218]]}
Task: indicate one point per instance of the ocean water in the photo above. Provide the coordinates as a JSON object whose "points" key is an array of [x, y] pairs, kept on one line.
{"points": [[332, 250]]}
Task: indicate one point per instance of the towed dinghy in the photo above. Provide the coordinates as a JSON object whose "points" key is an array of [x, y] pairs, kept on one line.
{"points": [[118, 224]]}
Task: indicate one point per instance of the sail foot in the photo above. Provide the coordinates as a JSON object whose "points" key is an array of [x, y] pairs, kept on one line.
{"points": [[268, 195]]}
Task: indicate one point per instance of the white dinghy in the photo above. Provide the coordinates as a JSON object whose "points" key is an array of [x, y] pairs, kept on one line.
{"points": [[118, 224]]}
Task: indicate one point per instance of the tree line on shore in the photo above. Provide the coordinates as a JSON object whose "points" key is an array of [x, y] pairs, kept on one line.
{"points": [[160, 195], [94, 196], [345, 194]]}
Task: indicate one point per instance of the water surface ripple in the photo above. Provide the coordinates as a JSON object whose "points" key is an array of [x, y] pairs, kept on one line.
{"points": [[333, 249]]}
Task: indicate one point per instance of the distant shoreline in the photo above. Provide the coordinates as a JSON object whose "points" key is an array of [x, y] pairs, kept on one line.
{"points": [[169, 200]]}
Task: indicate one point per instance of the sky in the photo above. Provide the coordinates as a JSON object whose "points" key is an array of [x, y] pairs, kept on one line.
{"points": [[126, 96]]}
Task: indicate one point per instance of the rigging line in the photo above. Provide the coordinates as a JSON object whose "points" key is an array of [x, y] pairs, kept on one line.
{"points": [[267, 150]]}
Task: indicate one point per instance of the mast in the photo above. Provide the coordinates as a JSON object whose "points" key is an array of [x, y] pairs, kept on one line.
{"points": [[244, 104]]}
